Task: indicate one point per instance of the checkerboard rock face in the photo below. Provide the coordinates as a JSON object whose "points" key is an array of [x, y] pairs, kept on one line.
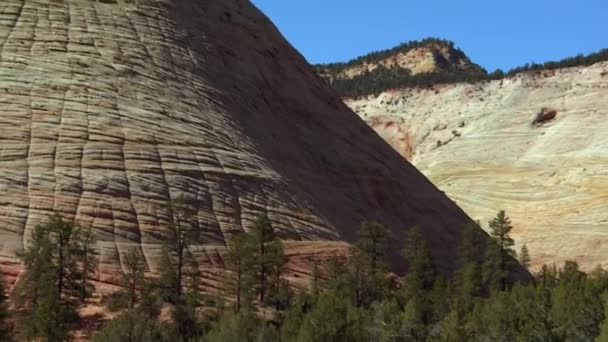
{"points": [[111, 109], [534, 144]]}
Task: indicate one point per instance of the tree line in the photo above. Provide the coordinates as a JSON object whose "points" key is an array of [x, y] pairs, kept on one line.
{"points": [[351, 297], [382, 78]]}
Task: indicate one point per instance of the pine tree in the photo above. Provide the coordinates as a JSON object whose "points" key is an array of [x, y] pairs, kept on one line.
{"points": [[603, 337], [52, 287], [242, 327], [419, 282], [240, 277], [302, 303], [373, 241], [177, 257], [129, 326], [85, 254], [499, 256], [469, 275], [524, 257], [262, 237], [421, 273], [363, 278], [576, 314], [279, 292], [315, 280], [49, 317], [179, 280], [357, 278], [530, 307], [499, 320], [132, 282], [139, 321], [451, 328], [334, 318], [338, 278]]}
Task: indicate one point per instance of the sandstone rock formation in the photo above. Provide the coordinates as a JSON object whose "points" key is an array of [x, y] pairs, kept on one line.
{"points": [[427, 56], [477, 143], [111, 109]]}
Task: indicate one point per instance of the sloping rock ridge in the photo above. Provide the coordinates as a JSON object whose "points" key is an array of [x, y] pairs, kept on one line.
{"points": [[535, 145], [109, 110], [419, 57]]}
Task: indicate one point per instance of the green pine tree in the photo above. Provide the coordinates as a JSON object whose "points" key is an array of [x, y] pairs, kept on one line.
{"points": [[242, 327], [499, 256], [279, 292], [86, 258], [132, 282], [576, 313], [176, 260], [240, 276], [363, 278], [338, 276], [451, 328], [334, 318], [55, 279], [499, 318], [139, 297], [603, 337], [132, 325], [373, 242], [468, 279], [420, 283], [180, 274], [531, 305], [302, 303], [262, 237], [315, 280]]}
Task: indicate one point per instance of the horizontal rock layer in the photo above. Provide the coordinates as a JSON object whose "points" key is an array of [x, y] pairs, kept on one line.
{"points": [[110, 110], [481, 144]]}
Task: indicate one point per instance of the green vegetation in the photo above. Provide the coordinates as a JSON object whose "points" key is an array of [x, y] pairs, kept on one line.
{"points": [[351, 298], [5, 333], [58, 263], [382, 78]]}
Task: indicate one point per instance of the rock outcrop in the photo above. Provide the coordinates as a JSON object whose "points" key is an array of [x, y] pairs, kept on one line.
{"points": [[109, 110], [427, 56], [476, 142]]}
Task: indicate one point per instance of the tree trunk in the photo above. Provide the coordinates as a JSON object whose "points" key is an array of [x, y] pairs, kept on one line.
{"points": [[180, 254], [60, 275], [262, 271], [238, 289], [133, 291]]}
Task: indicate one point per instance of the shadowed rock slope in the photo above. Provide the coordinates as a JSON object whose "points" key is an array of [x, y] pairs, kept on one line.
{"points": [[109, 110]]}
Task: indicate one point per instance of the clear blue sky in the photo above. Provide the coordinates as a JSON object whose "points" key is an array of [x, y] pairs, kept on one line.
{"points": [[493, 33]]}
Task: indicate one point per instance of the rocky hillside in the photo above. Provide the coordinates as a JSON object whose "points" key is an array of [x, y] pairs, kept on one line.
{"points": [[426, 56], [410, 64], [109, 110], [534, 144]]}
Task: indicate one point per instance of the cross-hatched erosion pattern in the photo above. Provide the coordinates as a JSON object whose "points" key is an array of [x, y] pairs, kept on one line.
{"points": [[109, 110], [481, 144]]}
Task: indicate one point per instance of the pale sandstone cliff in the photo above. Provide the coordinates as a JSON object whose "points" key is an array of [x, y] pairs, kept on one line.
{"points": [[109, 110], [477, 143]]}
